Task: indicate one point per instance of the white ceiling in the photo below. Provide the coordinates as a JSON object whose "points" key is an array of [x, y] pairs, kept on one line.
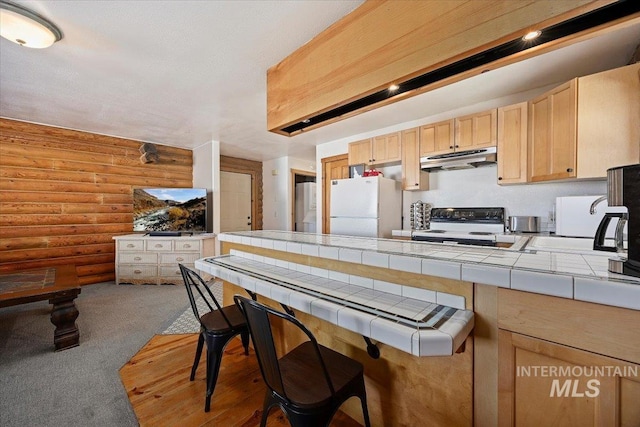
{"points": [[183, 73]]}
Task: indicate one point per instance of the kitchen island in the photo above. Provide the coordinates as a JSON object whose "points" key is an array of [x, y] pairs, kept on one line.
{"points": [[526, 309]]}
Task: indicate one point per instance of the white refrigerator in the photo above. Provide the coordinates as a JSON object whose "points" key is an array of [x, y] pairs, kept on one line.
{"points": [[368, 206], [306, 207]]}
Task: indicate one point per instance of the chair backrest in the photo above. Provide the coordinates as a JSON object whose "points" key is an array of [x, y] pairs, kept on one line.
{"points": [[259, 317], [192, 280]]}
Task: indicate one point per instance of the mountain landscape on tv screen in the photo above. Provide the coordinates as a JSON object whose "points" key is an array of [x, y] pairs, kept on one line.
{"points": [[151, 213]]}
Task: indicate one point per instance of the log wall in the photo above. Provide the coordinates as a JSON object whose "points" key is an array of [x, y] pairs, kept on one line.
{"points": [[64, 194]]}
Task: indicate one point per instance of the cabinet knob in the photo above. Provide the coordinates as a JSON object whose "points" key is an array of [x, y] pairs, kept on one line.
{"points": [[457, 146], [416, 184], [451, 146], [569, 169], [499, 178]]}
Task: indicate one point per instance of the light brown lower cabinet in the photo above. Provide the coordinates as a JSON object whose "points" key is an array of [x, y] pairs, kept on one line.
{"points": [[542, 383]]}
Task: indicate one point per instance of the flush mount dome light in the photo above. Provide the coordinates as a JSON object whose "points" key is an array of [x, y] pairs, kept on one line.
{"points": [[26, 28]]}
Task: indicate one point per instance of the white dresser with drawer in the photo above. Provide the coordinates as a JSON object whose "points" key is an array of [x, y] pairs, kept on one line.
{"points": [[154, 260]]}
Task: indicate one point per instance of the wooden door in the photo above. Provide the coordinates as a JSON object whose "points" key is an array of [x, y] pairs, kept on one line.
{"points": [[235, 201], [552, 138], [512, 144], [547, 384], [336, 167], [437, 138], [413, 178]]}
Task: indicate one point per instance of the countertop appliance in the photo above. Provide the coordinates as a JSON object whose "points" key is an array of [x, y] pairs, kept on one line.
{"points": [[573, 217], [469, 226], [623, 189], [306, 207], [524, 224], [368, 207], [459, 160]]}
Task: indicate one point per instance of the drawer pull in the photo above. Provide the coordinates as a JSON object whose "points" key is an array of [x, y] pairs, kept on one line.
{"points": [[130, 245], [179, 259], [137, 258], [187, 246], [137, 272], [158, 245]]}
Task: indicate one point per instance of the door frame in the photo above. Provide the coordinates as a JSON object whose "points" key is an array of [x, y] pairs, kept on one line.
{"points": [[292, 179], [249, 167]]}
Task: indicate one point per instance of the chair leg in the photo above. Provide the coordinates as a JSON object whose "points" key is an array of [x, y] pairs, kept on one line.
{"points": [[214, 357], [197, 359], [365, 410], [269, 401], [244, 336]]}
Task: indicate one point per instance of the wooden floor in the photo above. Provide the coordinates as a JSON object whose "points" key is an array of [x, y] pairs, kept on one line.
{"points": [[158, 386]]}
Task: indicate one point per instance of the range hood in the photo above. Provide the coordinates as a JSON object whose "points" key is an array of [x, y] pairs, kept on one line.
{"points": [[459, 160]]}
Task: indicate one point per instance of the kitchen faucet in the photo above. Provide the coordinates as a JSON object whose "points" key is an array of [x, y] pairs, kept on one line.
{"points": [[592, 209]]}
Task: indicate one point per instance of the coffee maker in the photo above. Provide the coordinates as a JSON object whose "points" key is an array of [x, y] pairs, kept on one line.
{"points": [[623, 189]]}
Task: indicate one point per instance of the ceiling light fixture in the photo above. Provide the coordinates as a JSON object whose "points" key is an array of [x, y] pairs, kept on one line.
{"points": [[393, 88], [26, 28], [531, 35]]}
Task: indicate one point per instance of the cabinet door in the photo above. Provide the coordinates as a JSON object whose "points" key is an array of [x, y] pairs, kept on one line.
{"points": [[512, 144], [413, 178], [437, 138], [552, 139], [476, 130], [386, 148], [608, 121], [546, 384], [360, 152]]}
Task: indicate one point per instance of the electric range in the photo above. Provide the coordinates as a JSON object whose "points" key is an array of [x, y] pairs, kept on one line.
{"points": [[469, 226]]}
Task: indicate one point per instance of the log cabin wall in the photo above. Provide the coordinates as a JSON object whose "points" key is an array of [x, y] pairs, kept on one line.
{"points": [[64, 194]]}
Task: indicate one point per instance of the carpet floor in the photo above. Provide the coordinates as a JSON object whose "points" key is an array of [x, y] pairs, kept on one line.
{"points": [[81, 386]]}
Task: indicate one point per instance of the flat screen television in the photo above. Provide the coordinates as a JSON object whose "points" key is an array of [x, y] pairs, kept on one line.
{"points": [[170, 211]]}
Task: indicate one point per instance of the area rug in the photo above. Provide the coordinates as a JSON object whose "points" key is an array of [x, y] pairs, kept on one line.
{"points": [[186, 322]]}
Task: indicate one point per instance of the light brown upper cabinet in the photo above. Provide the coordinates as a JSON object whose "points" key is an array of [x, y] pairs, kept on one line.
{"points": [[552, 127], [476, 130], [413, 178], [378, 150], [608, 121], [512, 144], [585, 126], [437, 138], [360, 152], [462, 133]]}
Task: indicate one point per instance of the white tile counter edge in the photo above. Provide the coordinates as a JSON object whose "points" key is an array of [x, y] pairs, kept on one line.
{"points": [[563, 275]]}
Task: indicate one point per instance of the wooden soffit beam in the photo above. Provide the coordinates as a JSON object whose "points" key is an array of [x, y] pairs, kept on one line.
{"points": [[388, 41]]}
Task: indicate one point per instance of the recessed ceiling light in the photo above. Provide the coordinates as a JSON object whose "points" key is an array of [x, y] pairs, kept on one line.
{"points": [[26, 28], [531, 35], [393, 88], [305, 121]]}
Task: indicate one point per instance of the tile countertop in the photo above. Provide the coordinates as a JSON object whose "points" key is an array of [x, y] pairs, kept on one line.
{"points": [[567, 275]]}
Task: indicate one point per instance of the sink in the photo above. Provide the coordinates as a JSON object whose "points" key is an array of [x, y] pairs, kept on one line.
{"points": [[577, 245]]}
